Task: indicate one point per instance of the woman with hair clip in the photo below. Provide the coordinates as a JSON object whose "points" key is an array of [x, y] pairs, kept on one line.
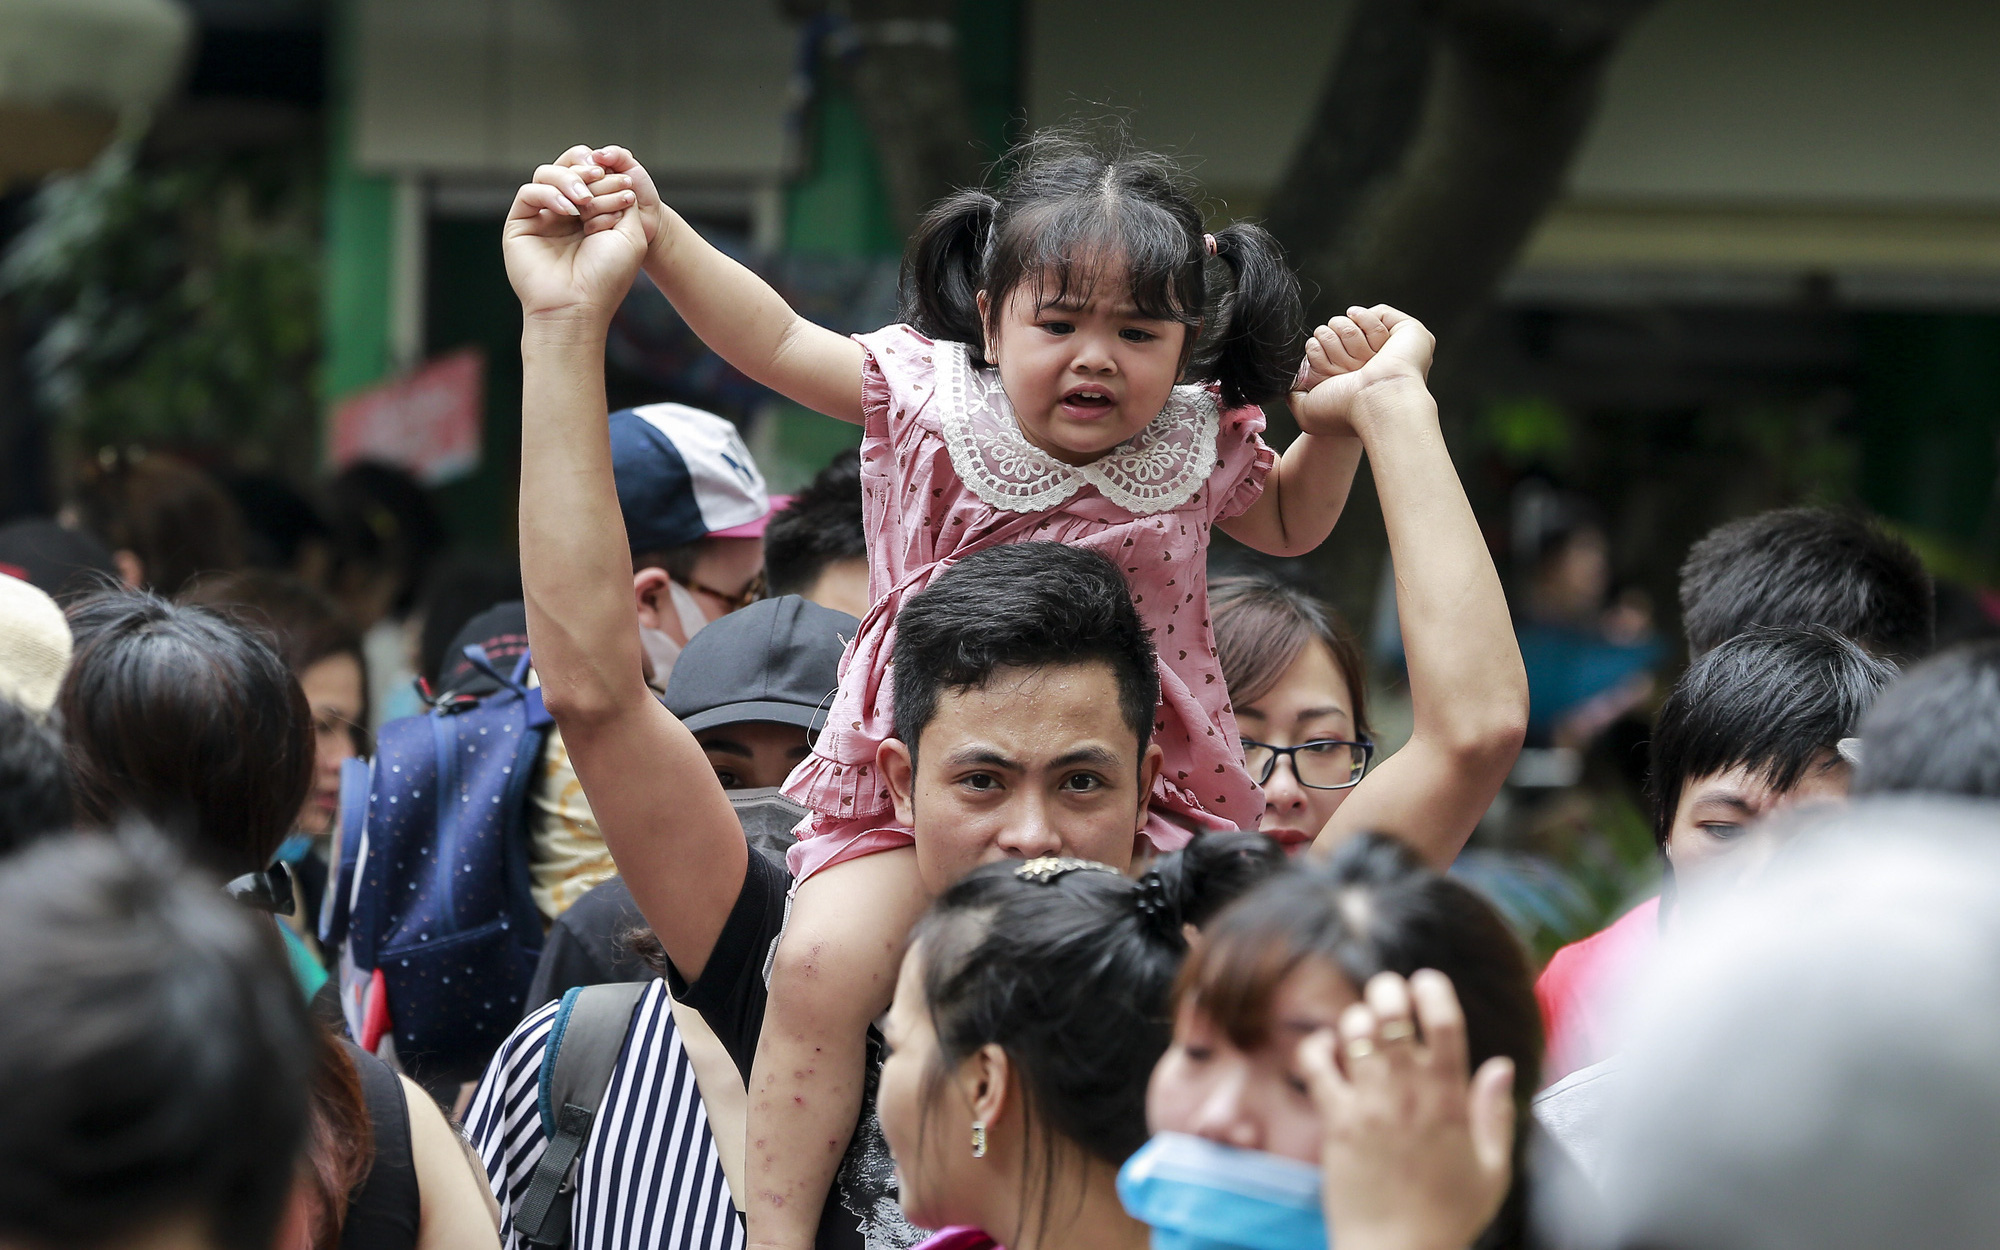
{"points": [[193, 723], [1030, 1007]]}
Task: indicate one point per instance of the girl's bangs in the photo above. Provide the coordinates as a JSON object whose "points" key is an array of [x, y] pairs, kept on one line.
{"points": [[1069, 248]]}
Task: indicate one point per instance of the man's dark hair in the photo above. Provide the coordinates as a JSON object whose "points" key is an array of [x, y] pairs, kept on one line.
{"points": [[383, 521], [189, 720], [1808, 566], [822, 524], [1768, 699], [1936, 730], [154, 1050], [1021, 605], [34, 779]]}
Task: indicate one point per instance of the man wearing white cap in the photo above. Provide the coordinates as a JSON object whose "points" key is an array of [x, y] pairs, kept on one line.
{"points": [[34, 645], [695, 508]]}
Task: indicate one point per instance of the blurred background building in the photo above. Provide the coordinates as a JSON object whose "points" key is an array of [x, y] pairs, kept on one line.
{"points": [[1689, 259]]}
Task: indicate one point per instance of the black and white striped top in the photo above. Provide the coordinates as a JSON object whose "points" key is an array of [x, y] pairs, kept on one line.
{"points": [[649, 1175]]}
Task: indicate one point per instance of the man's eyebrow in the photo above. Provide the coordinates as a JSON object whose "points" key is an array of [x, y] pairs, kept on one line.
{"points": [[1729, 799], [975, 754], [1087, 755], [726, 746]]}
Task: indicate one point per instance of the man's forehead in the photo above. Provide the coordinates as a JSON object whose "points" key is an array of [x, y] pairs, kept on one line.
{"points": [[1034, 714], [1750, 784]]}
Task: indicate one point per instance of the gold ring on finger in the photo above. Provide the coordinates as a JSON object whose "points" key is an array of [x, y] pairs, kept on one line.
{"points": [[1398, 1031], [1360, 1048]]}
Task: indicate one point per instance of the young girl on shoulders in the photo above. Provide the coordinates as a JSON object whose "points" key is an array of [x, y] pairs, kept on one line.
{"points": [[1081, 362]]}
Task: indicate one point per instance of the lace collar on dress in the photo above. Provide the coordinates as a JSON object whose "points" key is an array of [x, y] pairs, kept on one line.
{"points": [[1159, 468]]}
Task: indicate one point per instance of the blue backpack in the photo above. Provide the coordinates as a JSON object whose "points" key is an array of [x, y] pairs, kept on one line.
{"points": [[431, 897]]}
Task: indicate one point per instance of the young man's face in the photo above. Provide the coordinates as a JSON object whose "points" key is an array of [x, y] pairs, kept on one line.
{"points": [[1035, 762], [1719, 835], [751, 754]]}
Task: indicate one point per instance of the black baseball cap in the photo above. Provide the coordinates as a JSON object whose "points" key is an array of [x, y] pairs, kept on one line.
{"points": [[776, 660], [61, 561]]}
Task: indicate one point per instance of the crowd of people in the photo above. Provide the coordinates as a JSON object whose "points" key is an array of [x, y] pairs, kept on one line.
{"points": [[936, 856]]}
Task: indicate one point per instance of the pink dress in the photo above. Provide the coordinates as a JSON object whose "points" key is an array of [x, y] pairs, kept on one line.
{"points": [[946, 471]]}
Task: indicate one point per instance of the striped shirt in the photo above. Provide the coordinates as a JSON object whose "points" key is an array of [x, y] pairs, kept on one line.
{"points": [[648, 1176]]}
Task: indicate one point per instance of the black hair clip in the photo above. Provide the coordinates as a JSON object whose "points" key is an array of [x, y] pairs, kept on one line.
{"points": [[269, 890], [1152, 902], [1050, 868]]}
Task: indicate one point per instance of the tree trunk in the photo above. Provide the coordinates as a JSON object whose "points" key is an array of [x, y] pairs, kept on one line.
{"points": [[1368, 109], [904, 71], [1443, 134]]}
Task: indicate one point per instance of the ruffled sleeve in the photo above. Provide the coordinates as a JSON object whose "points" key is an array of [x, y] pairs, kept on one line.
{"points": [[1243, 461], [898, 378]]}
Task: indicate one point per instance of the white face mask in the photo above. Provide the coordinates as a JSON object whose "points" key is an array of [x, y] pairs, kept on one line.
{"points": [[661, 649]]}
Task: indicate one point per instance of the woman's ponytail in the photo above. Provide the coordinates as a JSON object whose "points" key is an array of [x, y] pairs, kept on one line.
{"points": [[1259, 323], [944, 268], [1191, 885]]}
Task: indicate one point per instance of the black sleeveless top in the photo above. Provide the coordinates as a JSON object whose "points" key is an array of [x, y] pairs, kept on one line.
{"points": [[384, 1211]]}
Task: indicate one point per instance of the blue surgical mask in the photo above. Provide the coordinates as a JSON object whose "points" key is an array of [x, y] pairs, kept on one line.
{"points": [[1197, 1195]]}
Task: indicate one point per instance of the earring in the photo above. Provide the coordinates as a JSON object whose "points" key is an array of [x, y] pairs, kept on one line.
{"points": [[979, 1139]]}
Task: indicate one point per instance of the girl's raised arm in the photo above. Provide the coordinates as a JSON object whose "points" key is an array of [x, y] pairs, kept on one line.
{"points": [[1468, 689], [664, 815], [738, 314]]}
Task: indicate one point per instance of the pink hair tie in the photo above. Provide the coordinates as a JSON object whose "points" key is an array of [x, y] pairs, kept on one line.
{"points": [[1208, 241]]}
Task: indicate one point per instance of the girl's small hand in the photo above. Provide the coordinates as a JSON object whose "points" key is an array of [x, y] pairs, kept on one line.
{"points": [[1415, 1156], [1350, 355], [562, 263], [605, 172]]}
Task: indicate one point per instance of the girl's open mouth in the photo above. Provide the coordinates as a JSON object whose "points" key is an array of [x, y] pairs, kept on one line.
{"points": [[1086, 402]]}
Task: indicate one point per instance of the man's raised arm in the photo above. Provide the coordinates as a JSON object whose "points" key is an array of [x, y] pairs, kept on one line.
{"points": [[657, 801]]}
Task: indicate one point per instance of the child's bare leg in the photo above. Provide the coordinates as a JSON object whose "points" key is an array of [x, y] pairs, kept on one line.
{"points": [[835, 972]]}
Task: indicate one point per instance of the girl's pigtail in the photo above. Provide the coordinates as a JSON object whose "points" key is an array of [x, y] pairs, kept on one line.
{"points": [[1262, 319], [945, 266]]}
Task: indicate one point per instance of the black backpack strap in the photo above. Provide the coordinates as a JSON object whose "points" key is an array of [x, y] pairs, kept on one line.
{"points": [[583, 1047]]}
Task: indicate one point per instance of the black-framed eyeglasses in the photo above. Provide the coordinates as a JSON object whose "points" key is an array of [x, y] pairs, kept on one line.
{"points": [[1322, 764]]}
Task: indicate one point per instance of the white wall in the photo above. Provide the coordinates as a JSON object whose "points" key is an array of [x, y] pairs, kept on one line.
{"points": [[1804, 100], [474, 87]]}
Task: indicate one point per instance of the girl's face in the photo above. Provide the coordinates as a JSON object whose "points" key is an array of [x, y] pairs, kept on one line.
{"points": [[1083, 375], [1310, 702], [933, 1159], [1207, 1086]]}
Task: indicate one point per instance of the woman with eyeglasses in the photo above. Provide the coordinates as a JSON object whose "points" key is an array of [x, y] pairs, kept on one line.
{"points": [[1299, 688]]}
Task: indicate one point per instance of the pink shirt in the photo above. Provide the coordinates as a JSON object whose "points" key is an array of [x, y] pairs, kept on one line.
{"points": [[961, 1237], [946, 471], [1578, 988]]}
